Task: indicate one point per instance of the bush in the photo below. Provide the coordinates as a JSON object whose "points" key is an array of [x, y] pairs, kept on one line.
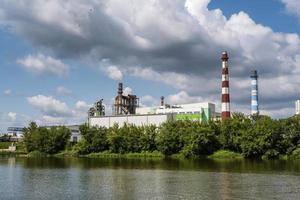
{"points": [[295, 154], [94, 139]]}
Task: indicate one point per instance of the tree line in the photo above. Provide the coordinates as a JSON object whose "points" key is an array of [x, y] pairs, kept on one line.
{"points": [[255, 137]]}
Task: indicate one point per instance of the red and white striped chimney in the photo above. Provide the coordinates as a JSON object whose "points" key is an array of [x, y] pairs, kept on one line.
{"points": [[225, 87]]}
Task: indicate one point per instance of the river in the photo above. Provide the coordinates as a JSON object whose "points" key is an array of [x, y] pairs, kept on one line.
{"points": [[129, 179]]}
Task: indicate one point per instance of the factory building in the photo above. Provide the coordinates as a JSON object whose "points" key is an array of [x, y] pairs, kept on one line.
{"points": [[127, 110], [297, 103]]}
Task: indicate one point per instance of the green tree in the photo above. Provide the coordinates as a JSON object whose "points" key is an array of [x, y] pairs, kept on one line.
{"points": [[46, 140]]}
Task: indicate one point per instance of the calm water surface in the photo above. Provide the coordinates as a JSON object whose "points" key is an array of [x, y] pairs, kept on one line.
{"points": [[82, 178]]}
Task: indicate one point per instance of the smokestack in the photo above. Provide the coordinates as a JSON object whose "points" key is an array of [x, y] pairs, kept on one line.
{"points": [[162, 101], [120, 89], [225, 87], [254, 93]]}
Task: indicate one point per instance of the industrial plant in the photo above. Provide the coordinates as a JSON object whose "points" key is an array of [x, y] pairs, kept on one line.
{"points": [[126, 109]]}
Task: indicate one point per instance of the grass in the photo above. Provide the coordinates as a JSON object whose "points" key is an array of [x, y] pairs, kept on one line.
{"points": [[37, 154], [67, 153], [225, 154]]}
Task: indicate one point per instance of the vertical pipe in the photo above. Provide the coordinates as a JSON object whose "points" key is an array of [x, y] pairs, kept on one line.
{"points": [[225, 87], [162, 101], [254, 93]]}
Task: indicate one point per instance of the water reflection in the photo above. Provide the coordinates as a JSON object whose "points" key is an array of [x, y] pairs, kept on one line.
{"points": [[241, 166], [83, 178]]}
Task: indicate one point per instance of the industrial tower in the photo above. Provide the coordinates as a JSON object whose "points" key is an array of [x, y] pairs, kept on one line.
{"points": [[225, 87], [254, 93]]}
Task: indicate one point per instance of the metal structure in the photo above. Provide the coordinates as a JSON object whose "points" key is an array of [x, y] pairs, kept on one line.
{"points": [[254, 93], [225, 87], [125, 105], [97, 110]]}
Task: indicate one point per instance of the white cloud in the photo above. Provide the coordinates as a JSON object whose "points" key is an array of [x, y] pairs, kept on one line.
{"points": [[148, 100], [12, 116], [183, 97], [41, 64], [8, 92], [114, 73], [292, 7], [172, 41], [55, 112], [49, 106], [61, 90], [127, 91]]}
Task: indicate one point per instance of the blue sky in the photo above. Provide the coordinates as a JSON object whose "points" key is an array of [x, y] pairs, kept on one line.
{"points": [[56, 61]]}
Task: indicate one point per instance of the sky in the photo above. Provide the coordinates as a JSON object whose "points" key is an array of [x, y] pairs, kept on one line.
{"points": [[58, 57]]}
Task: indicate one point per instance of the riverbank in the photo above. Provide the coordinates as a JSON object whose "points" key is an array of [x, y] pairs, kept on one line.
{"points": [[218, 155]]}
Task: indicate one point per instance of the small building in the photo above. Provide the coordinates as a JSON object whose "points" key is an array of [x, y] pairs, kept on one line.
{"points": [[75, 133], [16, 134]]}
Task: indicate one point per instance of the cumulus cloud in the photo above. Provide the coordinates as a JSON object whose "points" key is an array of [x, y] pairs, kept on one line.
{"points": [[292, 7], [12, 116], [41, 64], [49, 105], [114, 73], [183, 97], [56, 112], [173, 41], [148, 100], [61, 90]]}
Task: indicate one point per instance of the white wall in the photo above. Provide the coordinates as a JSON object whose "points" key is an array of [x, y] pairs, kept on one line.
{"points": [[137, 120]]}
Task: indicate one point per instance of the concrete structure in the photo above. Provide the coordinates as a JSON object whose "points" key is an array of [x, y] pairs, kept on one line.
{"points": [[297, 103], [254, 93], [225, 87]]}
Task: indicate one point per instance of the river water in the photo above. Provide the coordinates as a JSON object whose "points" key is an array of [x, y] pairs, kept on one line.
{"points": [[129, 179]]}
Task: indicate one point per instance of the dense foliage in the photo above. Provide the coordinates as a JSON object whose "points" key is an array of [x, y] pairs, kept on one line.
{"points": [[46, 140], [255, 137]]}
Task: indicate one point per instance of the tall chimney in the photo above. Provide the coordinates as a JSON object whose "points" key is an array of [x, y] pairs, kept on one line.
{"points": [[254, 93], [120, 89], [225, 87], [162, 101]]}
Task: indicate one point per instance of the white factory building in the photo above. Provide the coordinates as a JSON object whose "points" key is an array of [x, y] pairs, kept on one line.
{"points": [[297, 104], [157, 115]]}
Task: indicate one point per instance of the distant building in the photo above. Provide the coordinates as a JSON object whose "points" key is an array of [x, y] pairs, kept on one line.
{"points": [[75, 132], [297, 107], [15, 133]]}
